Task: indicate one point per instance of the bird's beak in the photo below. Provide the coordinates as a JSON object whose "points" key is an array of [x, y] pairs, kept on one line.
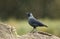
{"points": [[27, 14]]}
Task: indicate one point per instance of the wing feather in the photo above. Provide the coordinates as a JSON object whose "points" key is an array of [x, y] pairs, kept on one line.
{"points": [[35, 22]]}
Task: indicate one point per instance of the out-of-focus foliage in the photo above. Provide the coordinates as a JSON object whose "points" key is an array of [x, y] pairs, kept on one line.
{"points": [[40, 8]]}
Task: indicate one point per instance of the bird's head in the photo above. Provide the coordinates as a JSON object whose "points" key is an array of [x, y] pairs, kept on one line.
{"points": [[29, 14]]}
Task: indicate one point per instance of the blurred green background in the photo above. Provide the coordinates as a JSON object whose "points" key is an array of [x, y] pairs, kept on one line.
{"points": [[13, 12]]}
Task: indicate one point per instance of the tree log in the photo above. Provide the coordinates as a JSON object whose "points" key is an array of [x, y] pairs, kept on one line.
{"points": [[9, 32]]}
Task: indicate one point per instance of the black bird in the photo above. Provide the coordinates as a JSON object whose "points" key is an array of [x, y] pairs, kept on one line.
{"points": [[34, 22]]}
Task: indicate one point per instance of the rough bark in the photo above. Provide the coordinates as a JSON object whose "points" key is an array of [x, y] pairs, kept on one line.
{"points": [[9, 32]]}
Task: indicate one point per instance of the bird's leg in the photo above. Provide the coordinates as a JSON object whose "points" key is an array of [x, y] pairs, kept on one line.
{"points": [[34, 30]]}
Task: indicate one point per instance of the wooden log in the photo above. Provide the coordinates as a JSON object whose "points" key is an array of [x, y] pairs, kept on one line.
{"points": [[9, 32]]}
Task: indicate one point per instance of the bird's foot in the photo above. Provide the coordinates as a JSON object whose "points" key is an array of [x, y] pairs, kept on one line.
{"points": [[33, 31]]}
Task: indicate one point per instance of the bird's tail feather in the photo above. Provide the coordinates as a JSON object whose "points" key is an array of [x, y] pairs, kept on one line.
{"points": [[45, 25]]}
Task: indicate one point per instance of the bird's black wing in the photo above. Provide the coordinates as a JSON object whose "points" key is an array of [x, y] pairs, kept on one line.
{"points": [[35, 22]]}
